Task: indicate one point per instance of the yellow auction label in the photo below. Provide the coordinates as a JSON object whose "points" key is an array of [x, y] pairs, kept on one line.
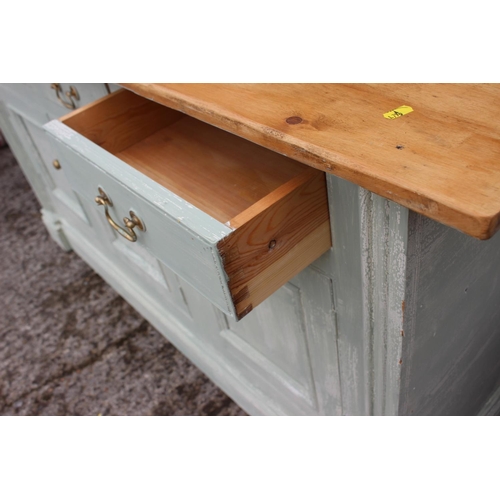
{"points": [[396, 113]]}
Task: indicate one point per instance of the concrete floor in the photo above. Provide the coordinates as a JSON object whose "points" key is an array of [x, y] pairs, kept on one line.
{"points": [[69, 344]]}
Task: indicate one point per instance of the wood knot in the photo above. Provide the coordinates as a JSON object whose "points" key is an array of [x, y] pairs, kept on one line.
{"points": [[272, 244], [294, 120]]}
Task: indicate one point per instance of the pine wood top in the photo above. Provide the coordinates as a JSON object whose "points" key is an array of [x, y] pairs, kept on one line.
{"points": [[441, 160]]}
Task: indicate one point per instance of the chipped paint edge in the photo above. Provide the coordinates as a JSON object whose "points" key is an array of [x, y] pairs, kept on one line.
{"points": [[370, 251]]}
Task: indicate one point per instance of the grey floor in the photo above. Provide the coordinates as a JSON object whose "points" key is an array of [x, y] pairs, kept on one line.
{"points": [[69, 344]]}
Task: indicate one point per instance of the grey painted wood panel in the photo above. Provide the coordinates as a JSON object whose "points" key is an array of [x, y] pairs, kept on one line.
{"points": [[287, 347], [274, 339], [183, 332], [25, 153], [451, 361], [318, 303], [369, 259]]}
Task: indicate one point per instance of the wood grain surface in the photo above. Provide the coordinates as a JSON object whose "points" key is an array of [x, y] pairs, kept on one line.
{"points": [[119, 120], [217, 172], [441, 160], [286, 232]]}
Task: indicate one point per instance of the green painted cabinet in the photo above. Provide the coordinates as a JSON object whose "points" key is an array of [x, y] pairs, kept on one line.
{"points": [[398, 317]]}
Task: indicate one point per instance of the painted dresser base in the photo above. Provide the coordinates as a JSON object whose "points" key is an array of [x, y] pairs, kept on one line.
{"points": [[400, 317]]}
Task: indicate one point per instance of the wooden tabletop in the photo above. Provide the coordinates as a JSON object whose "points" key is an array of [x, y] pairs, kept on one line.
{"points": [[434, 148]]}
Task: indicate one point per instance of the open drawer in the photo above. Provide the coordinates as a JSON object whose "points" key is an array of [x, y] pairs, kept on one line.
{"points": [[232, 218]]}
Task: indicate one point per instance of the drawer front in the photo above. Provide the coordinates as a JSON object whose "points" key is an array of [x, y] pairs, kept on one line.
{"points": [[183, 239]]}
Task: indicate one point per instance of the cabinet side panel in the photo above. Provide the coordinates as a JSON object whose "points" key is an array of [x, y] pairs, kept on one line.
{"points": [[369, 236], [450, 362]]}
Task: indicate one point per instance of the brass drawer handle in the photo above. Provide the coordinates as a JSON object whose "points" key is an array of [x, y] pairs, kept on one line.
{"points": [[134, 221], [72, 92]]}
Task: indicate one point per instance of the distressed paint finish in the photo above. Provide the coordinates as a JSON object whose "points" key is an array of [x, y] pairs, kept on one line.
{"points": [[451, 361], [319, 323], [369, 259], [341, 353], [389, 247]]}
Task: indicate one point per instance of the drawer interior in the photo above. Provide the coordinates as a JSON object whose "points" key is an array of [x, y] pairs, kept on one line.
{"points": [[216, 171]]}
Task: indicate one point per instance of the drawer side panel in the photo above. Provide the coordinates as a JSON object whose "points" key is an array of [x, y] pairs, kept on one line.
{"points": [[273, 246]]}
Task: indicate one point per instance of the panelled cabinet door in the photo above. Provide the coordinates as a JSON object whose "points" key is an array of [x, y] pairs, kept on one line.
{"points": [[290, 345], [284, 355]]}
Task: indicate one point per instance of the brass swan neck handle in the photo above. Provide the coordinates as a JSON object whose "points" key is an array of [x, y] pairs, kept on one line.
{"points": [[70, 94], [130, 223]]}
